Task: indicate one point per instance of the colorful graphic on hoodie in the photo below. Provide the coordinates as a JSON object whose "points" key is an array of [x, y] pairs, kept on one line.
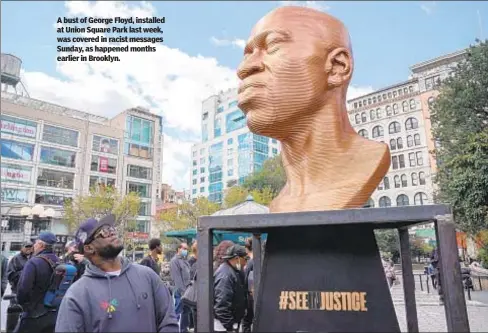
{"points": [[111, 306]]}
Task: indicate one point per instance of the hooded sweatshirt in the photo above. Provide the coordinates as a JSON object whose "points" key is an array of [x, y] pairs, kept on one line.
{"points": [[134, 301]]}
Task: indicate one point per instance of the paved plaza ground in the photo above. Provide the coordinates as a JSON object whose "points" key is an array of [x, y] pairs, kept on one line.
{"points": [[430, 314]]}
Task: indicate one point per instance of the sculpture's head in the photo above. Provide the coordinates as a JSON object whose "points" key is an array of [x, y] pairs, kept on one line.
{"points": [[295, 62]]}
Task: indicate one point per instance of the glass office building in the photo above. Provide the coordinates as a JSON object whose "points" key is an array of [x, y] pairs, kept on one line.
{"points": [[229, 151]]}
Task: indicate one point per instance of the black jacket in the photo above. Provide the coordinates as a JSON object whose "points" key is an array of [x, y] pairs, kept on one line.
{"points": [[151, 263], [230, 299], [14, 269], [4, 262]]}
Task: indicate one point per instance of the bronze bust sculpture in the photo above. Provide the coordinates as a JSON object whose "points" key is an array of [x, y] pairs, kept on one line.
{"points": [[295, 74]]}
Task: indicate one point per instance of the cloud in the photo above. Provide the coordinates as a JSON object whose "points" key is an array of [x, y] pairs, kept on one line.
{"points": [[356, 91], [428, 7], [168, 82], [318, 5], [236, 42]]}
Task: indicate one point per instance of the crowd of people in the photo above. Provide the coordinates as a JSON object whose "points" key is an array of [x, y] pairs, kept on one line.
{"points": [[92, 288]]}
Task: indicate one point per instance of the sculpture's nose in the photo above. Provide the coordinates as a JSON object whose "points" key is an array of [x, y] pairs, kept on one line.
{"points": [[252, 63]]}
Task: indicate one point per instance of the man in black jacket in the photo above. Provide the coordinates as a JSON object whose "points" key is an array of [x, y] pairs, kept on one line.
{"points": [[16, 265], [230, 299], [248, 271]]}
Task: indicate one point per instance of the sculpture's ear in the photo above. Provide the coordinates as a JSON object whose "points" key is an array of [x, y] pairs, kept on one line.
{"points": [[338, 67]]}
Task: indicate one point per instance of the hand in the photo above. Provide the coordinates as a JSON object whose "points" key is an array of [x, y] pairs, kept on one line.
{"points": [[78, 257]]}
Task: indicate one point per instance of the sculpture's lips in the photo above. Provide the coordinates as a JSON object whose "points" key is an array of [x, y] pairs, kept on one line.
{"points": [[246, 85]]}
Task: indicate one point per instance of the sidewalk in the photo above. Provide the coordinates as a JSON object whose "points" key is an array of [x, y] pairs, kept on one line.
{"points": [[431, 315]]}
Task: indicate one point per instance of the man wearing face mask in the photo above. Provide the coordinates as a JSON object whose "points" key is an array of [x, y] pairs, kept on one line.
{"points": [[180, 274], [114, 295], [230, 295]]}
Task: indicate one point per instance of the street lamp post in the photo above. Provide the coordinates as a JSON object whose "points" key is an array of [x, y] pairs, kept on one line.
{"points": [[34, 216]]}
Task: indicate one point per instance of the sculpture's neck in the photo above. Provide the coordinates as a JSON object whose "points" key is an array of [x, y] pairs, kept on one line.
{"points": [[317, 151]]}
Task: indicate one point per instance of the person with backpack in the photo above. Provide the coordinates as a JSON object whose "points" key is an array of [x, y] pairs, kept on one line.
{"points": [[34, 284], [114, 294], [73, 257]]}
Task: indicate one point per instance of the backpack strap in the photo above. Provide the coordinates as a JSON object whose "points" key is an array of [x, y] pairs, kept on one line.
{"points": [[46, 259]]}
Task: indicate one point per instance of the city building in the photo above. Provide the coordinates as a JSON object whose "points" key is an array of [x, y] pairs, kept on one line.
{"points": [[228, 151], [398, 115], [51, 153]]}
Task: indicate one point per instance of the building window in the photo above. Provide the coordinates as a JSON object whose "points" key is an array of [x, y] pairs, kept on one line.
{"points": [[372, 114], [217, 127], [55, 178], [363, 133], [409, 141], [145, 209], [394, 162], [54, 199], [220, 109], [144, 190], [59, 157], [16, 173], [194, 162], [394, 94], [194, 182], [139, 130], [410, 89], [358, 118], [392, 144], [137, 171], [202, 160], [417, 139], [96, 181], [232, 104], [205, 132], [405, 106], [234, 121], [397, 181], [230, 172], [386, 183], [103, 164], [17, 126], [202, 179], [369, 203], [415, 179], [385, 202], [379, 113], [420, 199], [388, 110], [420, 160], [105, 145], [398, 161], [402, 200], [136, 150], [61, 136], [378, 131], [400, 92], [202, 189], [395, 108], [194, 154], [405, 90], [394, 127], [411, 123], [202, 169], [275, 151], [421, 178], [194, 172], [17, 150], [404, 180], [194, 191], [411, 158], [230, 141], [412, 104], [363, 117], [399, 143], [15, 195]]}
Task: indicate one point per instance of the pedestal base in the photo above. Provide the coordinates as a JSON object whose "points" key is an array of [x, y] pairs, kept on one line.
{"points": [[323, 279]]}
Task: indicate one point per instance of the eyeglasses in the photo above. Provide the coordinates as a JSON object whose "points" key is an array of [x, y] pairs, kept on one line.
{"points": [[103, 232]]}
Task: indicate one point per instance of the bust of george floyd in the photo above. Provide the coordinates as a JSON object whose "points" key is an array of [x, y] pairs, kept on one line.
{"points": [[295, 74]]}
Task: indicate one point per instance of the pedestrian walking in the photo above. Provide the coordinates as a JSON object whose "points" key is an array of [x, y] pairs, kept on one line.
{"points": [[114, 295]]}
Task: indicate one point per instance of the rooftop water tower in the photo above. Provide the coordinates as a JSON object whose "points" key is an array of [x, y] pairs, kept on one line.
{"points": [[10, 75]]}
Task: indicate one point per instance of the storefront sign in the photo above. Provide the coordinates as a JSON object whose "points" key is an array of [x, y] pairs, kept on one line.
{"points": [[64, 238], [14, 174], [11, 127], [137, 235], [15, 195], [103, 161]]}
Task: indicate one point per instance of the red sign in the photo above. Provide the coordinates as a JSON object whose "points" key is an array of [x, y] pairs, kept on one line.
{"points": [[103, 164], [137, 235]]}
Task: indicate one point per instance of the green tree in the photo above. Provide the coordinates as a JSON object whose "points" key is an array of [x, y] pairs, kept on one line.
{"points": [[186, 214], [271, 175], [388, 243], [460, 124], [100, 202], [234, 196]]}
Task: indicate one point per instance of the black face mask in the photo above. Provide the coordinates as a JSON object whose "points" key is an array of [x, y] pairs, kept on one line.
{"points": [[110, 251]]}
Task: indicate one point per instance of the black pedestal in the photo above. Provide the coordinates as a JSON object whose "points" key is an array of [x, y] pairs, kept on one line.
{"points": [[324, 279]]}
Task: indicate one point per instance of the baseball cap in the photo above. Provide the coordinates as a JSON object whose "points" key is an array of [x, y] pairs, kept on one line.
{"points": [[235, 251], [88, 228], [47, 237]]}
